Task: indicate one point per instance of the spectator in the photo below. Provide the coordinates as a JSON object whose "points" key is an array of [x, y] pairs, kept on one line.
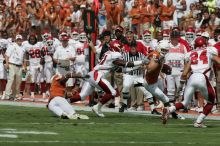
{"points": [[199, 21], [167, 15], [113, 15], [107, 39], [14, 60], [135, 17], [180, 8]]}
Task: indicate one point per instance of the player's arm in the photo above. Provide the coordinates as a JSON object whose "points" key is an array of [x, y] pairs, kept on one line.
{"points": [[186, 70], [216, 59], [152, 65], [65, 77], [184, 77], [123, 63]]}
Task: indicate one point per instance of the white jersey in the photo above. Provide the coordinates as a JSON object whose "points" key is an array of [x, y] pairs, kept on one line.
{"points": [[73, 42], [175, 58], [64, 53], [48, 53], [56, 43], [4, 43], [34, 52], [201, 59], [106, 63]]}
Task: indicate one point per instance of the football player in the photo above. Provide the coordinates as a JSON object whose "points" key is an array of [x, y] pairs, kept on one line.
{"points": [[199, 64], [110, 61]]}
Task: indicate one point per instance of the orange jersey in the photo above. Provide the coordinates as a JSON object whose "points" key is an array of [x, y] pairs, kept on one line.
{"points": [[152, 77], [134, 12], [56, 88], [166, 9]]}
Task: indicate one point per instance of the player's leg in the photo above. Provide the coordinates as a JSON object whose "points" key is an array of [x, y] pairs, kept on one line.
{"points": [[208, 93], [10, 81], [170, 87], [33, 75], [3, 83], [127, 83], [110, 92], [18, 79]]}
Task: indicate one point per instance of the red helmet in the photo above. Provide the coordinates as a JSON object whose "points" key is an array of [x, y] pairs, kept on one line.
{"points": [[45, 35], [190, 34], [49, 41], [200, 42], [64, 38], [63, 33], [75, 34], [166, 34], [116, 46], [199, 32]]}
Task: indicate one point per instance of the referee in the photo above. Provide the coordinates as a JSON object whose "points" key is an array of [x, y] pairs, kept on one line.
{"points": [[135, 94]]}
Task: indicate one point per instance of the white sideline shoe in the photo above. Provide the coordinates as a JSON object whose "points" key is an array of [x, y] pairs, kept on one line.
{"points": [[140, 108], [199, 125], [78, 116], [97, 111]]}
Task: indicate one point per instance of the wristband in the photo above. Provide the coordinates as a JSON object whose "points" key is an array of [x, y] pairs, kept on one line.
{"points": [[136, 63]]}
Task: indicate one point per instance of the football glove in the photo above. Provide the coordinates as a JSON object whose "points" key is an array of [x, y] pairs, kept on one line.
{"points": [[145, 61]]}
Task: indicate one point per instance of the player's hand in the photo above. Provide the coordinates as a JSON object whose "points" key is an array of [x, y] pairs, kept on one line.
{"points": [[86, 76], [6, 66], [145, 61], [72, 58], [178, 91]]}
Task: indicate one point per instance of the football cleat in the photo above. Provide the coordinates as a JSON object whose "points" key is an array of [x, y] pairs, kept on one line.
{"points": [[73, 117], [83, 117], [165, 115], [64, 116], [97, 111], [155, 112], [123, 107], [177, 116], [199, 125]]}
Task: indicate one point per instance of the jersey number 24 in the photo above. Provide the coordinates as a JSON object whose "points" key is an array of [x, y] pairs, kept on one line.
{"points": [[196, 58]]}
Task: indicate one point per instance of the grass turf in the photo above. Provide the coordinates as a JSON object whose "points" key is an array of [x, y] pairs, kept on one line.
{"points": [[115, 129]]}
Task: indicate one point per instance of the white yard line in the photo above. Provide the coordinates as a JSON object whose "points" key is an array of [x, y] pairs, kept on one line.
{"points": [[32, 132], [8, 136], [110, 142]]}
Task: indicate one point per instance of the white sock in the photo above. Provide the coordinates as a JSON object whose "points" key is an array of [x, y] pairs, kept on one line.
{"points": [[152, 107], [172, 108], [99, 105], [200, 118]]}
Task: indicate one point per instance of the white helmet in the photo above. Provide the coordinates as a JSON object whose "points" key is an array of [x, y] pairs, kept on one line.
{"points": [[82, 37], [147, 36], [163, 47]]}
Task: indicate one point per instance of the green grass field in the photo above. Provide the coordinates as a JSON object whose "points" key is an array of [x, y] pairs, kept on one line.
{"points": [[114, 130]]}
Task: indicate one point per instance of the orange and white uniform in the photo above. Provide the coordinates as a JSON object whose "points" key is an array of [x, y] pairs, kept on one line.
{"points": [[151, 78], [57, 102]]}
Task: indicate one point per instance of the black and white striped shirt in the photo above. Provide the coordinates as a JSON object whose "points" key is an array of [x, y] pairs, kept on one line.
{"points": [[129, 57]]}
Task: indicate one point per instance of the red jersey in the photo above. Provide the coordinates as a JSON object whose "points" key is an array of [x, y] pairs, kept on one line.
{"points": [[185, 43], [140, 48]]}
